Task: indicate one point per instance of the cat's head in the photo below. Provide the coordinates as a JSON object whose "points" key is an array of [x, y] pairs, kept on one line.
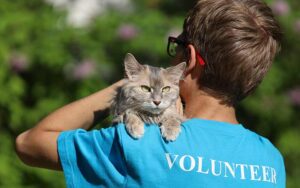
{"points": [[152, 89]]}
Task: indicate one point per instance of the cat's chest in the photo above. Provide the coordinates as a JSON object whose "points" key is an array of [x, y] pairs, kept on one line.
{"points": [[151, 118]]}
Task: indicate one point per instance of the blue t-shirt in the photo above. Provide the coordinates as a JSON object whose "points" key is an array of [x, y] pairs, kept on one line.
{"points": [[207, 154]]}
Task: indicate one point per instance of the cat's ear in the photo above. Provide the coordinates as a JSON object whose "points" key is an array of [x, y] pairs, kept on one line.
{"points": [[175, 73], [132, 66]]}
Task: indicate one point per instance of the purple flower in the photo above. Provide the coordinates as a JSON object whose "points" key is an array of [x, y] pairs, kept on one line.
{"points": [[297, 26], [18, 63], [127, 31], [83, 70], [294, 96], [280, 7]]}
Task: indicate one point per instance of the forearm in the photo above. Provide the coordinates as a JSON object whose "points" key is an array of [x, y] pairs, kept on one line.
{"points": [[37, 146], [81, 113]]}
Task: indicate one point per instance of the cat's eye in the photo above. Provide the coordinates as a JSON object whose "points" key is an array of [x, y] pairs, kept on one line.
{"points": [[166, 89], [146, 88]]}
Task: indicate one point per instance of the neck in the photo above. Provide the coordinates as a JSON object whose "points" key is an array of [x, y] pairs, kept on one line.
{"points": [[201, 105]]}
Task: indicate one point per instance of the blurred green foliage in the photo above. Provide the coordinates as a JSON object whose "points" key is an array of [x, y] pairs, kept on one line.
{"points": [[46, 63]]}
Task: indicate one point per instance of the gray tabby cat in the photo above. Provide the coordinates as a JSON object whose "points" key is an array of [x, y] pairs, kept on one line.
{"points": [[149, 95]]}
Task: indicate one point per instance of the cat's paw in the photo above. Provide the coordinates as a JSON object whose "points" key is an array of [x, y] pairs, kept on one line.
{"points": [[170, 128], [134, 126]]}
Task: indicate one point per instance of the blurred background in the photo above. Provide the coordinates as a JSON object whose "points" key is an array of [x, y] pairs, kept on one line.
{"points": [[53, 52]]}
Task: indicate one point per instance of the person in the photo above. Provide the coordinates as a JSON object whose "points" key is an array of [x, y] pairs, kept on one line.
{"points": [[229, 46]]}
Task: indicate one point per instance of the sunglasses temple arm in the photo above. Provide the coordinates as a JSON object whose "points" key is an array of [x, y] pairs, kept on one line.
{"points": [[200, 59]]}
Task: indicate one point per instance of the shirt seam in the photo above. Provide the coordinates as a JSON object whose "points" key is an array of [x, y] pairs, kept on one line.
{"points": [[121, 142], [69, 162]]}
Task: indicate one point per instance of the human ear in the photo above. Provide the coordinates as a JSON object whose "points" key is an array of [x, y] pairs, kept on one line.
{"points": [[191, 59]]}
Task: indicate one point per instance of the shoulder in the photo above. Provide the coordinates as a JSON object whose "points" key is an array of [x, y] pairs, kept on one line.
{"points": [[150, 131], [266, 146], [263, 141], [92, 157], [80, 138]]}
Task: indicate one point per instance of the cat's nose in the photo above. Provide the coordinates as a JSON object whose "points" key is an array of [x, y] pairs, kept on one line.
{"points": [[156, 102]]}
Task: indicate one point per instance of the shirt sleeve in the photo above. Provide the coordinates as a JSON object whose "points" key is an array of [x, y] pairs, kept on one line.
{"points": [[281, 174], [92, 158]]}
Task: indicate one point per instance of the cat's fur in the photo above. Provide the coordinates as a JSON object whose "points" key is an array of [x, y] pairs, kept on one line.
{"points": [[135, 101]]}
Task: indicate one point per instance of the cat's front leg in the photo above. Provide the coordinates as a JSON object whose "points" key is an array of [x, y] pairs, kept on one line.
{"points": [[170, 127], [134, 125]]}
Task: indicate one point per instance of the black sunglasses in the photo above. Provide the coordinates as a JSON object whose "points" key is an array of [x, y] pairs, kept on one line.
{"points": [[173, 47]]}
